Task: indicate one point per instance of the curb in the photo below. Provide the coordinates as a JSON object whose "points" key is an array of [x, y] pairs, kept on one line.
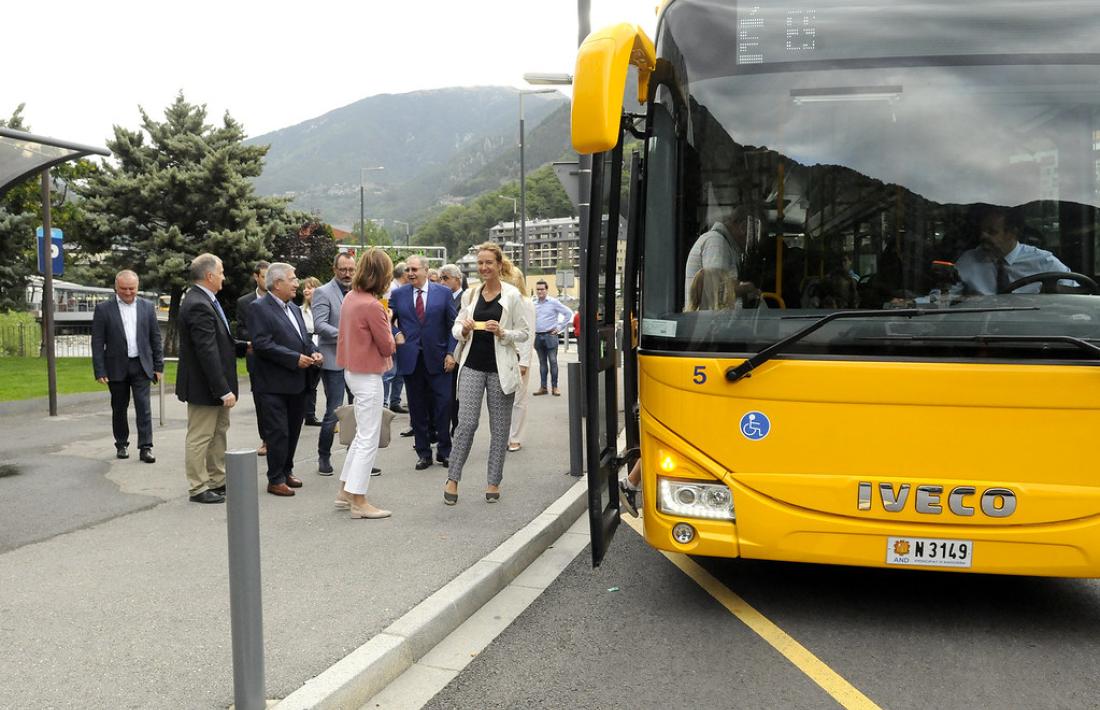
{"points": [[363, 673]]}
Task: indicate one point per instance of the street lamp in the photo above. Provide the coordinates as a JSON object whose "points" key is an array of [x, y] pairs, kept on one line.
{"points": [[362, 217], [397, 221], [523, 176]]}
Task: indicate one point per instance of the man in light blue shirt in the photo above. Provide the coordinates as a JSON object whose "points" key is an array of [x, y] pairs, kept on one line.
{"points": [[550, 317], [1000, 258]]}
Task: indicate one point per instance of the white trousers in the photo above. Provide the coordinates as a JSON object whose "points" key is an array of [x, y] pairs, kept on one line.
{"points": [[367, 390], [519, 410]]}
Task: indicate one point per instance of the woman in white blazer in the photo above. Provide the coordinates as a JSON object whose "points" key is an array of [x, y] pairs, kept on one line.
{"points": [[525, 350], [492, 320]]}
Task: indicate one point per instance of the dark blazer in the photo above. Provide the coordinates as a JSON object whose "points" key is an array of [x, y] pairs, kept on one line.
{"points": [[109, 351], [433, 337], [242, 314], [276, 347], [208, 352]]}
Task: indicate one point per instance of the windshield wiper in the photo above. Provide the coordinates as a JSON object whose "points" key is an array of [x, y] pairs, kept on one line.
{"points": [[1081, 343], [733, 374]]}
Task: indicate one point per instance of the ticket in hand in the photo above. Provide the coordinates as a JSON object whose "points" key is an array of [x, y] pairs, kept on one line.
{"points": [[480, 324]]}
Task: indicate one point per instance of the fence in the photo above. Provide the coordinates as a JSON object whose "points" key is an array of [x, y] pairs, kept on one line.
{"points": [[25, 340]]}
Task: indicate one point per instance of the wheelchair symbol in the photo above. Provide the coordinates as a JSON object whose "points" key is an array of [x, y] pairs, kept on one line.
{"points": [[755, 426]]}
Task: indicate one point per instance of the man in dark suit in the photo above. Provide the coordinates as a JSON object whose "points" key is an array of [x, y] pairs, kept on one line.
{"points": [[283, 351], [206, 379], [425, 312], [259, 274], [127, 354]]}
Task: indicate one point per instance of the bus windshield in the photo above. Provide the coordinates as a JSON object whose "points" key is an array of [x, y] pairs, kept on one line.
{"points": [[825, 161]]}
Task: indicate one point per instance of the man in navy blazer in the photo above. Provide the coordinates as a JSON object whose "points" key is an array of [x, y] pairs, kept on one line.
{"points": [[424, 314], [126, 354], [282, 351]]}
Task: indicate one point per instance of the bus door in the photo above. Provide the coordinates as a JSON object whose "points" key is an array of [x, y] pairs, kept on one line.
{"points": [[608, 295]]}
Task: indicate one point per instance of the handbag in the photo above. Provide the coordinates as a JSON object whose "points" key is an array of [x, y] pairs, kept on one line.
{"points": [[345, 416]]}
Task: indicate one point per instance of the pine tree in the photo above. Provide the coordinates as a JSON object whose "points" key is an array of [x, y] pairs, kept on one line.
{"points": [[175, 189]]}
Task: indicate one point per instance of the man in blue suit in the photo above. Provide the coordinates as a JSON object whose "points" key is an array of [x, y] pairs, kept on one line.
{"points": [[424, 313], [126, 354], [283, 352]]}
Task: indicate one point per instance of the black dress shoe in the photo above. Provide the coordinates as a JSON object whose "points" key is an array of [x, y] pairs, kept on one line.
{"points": [[313, 421], [398, 409], [324, 465], [407, 432], [423, 464], [220, 490], [207, 497], [375, 471], [121, 452], [147, 456], [443, 460]]}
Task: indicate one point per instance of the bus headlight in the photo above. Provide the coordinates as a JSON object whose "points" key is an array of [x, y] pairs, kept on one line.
{"points": [[694, 499]]}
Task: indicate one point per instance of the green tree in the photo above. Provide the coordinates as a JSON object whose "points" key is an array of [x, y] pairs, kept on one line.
{"points": [[309, 248], [376, 235], [177, 188], [459, 227], [21, 213]]}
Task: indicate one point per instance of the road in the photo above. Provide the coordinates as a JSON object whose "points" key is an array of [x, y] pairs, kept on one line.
{"points": [[639, 632]]}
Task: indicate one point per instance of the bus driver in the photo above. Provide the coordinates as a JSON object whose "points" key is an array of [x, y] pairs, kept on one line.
{"points": [[1000, 258]]}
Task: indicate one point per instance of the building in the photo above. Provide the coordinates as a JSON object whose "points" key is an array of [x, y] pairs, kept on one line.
{"points": [[553, 244]]}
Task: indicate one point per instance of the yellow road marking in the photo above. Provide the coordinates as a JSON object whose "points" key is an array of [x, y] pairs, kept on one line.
{"points": [[830, 681]]}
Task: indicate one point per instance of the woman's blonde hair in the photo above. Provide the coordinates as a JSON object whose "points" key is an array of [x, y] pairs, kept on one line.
{"points": [[518, 280], [506, 266], [373, 272], [309, 282]]}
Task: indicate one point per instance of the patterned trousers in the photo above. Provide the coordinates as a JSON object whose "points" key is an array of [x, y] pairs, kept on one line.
{"points": [[471, 385]]}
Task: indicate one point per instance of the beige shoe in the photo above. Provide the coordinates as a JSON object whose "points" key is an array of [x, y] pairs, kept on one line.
{"points": [[556, 392], [515, 446], [370, 514], [342, 501], [539, 392]]}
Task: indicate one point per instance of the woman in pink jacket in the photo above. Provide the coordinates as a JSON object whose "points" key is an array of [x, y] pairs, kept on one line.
{"points": [[364, 349]]}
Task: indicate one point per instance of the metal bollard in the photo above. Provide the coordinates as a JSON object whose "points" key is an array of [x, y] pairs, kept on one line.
{"points": [[576, 416], [245, 603]]}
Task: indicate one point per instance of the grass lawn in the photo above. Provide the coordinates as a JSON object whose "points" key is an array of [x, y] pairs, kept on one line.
{"points": [[25, 377]]}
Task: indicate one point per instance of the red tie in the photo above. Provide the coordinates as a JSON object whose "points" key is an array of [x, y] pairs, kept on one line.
{"points": [[420, 305]]}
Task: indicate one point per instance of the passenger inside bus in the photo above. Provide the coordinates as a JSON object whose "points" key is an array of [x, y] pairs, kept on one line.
{"points": [[721, 247], [1001, 258]]}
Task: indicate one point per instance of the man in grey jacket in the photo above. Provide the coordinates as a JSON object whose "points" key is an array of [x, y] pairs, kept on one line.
{"points": [[327, 300]]}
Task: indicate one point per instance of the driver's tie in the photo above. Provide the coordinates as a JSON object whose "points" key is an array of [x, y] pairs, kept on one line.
{"points": [[1002, 275]]}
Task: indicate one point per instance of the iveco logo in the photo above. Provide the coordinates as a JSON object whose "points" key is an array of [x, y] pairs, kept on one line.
{"points": [[961, 500]]}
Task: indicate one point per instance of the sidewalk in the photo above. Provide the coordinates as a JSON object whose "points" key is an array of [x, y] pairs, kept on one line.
{"points": [[116, 587]]}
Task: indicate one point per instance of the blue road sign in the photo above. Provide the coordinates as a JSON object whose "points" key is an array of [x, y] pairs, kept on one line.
{"points": [[57, 251]]}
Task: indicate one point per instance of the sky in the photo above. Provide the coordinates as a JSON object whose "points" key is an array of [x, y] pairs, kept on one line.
{"points": [[81, 67]]}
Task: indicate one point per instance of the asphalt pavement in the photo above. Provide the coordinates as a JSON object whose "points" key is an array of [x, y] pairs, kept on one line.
{"points": [[115, 586]]}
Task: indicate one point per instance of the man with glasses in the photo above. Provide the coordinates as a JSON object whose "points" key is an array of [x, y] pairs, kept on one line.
{"points": [[283, 352], [327, 300]]}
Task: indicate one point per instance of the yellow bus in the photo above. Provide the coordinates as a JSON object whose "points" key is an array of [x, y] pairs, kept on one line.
{"points": [[859, 287]]}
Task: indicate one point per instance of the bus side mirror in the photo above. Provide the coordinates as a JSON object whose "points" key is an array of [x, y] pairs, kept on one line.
{"points": [[598, 81]]}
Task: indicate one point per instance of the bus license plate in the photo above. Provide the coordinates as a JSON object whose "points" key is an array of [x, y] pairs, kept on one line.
{"points": [[928, 552]]}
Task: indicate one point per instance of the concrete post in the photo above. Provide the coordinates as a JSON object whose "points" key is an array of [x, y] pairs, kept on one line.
{"points": [[576, 416], [245, 603]]}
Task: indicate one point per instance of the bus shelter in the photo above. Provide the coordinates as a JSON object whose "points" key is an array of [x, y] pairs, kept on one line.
{"points": [[22, 155]]}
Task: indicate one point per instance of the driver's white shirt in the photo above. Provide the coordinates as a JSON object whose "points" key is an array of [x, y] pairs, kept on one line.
{"points": [[978, 270]]}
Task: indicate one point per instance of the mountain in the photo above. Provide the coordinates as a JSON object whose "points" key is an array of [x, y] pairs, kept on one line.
{"points": [[437, 147]]}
